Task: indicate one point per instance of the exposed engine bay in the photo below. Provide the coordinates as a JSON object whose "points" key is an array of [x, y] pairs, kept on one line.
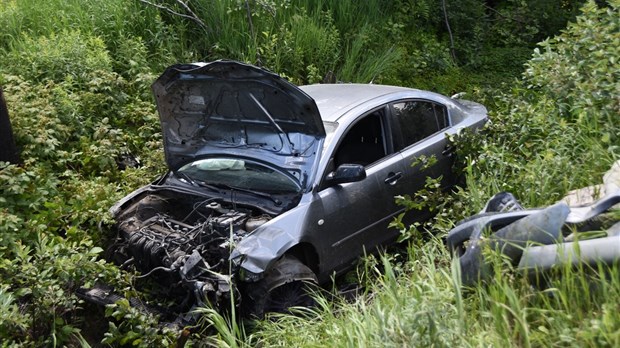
{"points": [[184, 242]]}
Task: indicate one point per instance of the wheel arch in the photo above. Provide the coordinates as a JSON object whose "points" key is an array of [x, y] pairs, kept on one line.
{"points": [[306, 253]]}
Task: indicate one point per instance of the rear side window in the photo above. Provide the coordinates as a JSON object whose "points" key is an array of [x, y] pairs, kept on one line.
{"points": [[419, 119]]}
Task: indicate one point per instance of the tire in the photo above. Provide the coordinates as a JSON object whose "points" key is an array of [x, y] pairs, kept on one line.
{"points": [[288, 283]]}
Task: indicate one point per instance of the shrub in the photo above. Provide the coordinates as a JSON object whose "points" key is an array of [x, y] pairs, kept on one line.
{"points": [[41, 280], [557, 129], [580, 69], [67, 54]]}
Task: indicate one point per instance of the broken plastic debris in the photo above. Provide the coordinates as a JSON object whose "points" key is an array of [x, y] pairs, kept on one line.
{"points": [[540, 228]]}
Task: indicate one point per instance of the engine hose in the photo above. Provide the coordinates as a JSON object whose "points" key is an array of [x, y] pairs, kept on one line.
{"points": [[160, 268]]}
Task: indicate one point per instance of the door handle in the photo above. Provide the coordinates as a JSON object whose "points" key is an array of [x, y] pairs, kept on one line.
{"points": [[393, 178], [449, 151]]}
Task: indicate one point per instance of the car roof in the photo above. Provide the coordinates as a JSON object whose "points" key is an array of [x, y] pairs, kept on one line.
{"points": [[333, 100]]}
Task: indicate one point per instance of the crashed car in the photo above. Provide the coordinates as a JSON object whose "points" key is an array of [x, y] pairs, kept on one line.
{"points": [[272, 186]]}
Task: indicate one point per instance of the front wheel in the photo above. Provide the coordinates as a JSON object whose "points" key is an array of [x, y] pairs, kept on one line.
{"points": [[288, 283]]}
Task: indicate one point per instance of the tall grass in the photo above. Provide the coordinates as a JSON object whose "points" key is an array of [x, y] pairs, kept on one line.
{"points": [[421, 303], [229, 32], [350, 15], [304, 40], [364, 65], [114, 21], [307, 41], [568, 310], [410, 303]]}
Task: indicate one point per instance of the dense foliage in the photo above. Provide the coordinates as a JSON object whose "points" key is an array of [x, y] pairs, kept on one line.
{"points": [[77, 87]]}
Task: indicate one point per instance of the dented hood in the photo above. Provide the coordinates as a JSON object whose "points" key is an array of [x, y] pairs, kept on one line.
{"points": [[231, 107]]}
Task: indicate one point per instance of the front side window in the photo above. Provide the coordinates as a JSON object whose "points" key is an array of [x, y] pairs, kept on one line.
{"points": [[419, 119], [238, 173], [364, 143]]}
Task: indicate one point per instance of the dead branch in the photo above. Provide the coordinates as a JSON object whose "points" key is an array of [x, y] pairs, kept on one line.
{"points": [[445, 16], [502, 15], [191, 15]]}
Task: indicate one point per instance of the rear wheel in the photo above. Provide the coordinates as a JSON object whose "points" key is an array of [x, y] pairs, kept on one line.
{"points": [[289, 283]]}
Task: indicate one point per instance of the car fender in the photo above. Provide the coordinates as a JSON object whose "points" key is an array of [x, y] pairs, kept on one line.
{"points": [[259, 250], [265, 245]]}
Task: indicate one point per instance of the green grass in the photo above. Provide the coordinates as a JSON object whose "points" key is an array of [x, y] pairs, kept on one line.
{"points": [[410, 302], [421, 303]]}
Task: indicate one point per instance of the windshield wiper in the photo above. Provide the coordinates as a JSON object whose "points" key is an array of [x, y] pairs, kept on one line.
{"points": [[218, 187], [276, 201], [193, 182], [186, 177]]}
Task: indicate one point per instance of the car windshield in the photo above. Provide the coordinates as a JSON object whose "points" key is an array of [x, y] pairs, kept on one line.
{"points": [[240, 174]]}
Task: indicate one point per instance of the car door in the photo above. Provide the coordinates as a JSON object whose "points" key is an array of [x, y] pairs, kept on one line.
{"points": [[352, 218], [423, 145]]}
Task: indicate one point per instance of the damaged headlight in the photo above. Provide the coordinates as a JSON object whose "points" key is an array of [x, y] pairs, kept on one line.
{"points": [[247, 276]]}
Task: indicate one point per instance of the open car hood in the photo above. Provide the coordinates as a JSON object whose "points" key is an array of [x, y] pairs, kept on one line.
{"points": [[231, 107]]}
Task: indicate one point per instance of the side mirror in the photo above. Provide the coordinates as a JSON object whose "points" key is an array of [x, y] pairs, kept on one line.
{"points": [[346, 173]]}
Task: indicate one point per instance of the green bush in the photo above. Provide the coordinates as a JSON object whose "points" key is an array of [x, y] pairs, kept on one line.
{"points": [[59, 56], [557, 129], [74, 118], [580, 69], [43, 278]]}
